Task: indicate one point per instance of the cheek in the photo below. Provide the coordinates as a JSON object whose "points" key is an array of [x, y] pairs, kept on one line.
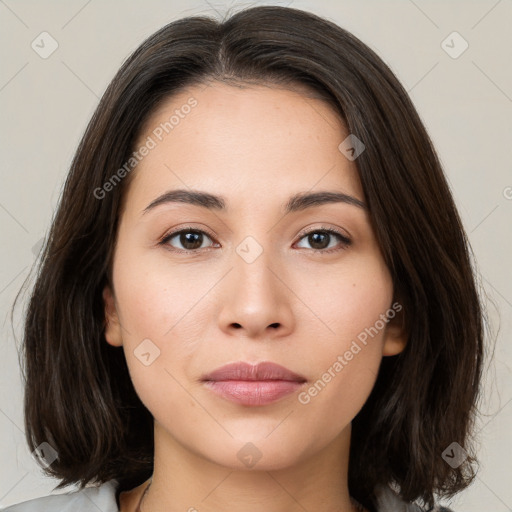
{"points": [[348, 299], [163, 320], [345, 359], [155, 296]]}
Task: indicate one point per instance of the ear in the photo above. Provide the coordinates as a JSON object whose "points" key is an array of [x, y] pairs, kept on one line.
{"points": [[395, 337], [113, 333]]}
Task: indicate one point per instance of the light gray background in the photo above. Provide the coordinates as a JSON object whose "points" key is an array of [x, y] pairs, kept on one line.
{"points": [[465, 102]]}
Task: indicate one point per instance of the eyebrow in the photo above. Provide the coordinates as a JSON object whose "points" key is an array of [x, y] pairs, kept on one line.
{"points": [[297, 202]]}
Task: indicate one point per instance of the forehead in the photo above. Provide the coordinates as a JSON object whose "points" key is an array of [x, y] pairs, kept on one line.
{"points": [[257, 142]]}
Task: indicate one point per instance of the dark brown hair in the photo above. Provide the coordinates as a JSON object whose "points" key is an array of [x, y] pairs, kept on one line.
{"points": [[79, 397]]}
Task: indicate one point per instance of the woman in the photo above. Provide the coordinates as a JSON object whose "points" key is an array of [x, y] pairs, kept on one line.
{"points": [[257, 292]]}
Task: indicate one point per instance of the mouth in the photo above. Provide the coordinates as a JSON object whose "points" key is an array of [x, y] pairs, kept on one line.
{"points": [[253, 385]]}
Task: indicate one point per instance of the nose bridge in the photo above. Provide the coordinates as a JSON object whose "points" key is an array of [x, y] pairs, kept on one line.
{"points": [[255, 298], [255, 269]]}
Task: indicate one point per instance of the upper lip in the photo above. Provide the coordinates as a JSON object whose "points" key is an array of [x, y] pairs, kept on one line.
{"points": [[246, 371]]}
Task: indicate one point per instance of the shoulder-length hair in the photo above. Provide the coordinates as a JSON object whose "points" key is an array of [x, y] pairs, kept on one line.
{"points": [[78, 394]]}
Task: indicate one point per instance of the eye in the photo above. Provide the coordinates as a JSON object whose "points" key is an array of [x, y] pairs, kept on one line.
{"points": [[320, 239], [191, 239]]}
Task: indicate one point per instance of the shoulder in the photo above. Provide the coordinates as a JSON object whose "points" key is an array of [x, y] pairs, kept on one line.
{"points": [[389, 501], [90, 499]]}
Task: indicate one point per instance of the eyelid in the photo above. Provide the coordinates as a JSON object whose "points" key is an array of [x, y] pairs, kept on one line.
{"points": [[329, 229], [345, 241], [170, 234]]}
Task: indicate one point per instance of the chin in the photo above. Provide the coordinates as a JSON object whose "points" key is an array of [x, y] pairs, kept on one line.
{"points": [[252, 451]]}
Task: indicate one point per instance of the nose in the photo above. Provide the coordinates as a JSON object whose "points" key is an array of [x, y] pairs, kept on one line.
{"points": [[256, 301]]}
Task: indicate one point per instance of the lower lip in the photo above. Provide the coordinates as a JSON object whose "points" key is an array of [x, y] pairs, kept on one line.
{"points": [[253, 392]]}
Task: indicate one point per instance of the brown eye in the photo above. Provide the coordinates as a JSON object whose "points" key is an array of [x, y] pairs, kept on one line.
{"points": [[320, 240], [190, 239]]}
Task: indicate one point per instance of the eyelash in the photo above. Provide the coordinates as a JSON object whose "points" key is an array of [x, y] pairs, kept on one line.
{"points": [[345, 242]]}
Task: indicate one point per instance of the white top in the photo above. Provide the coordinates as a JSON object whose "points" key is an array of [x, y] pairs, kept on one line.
{"points": [[103, 497]]}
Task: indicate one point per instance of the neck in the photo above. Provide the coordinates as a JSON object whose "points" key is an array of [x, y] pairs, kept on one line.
{"points": [[186, 481]]}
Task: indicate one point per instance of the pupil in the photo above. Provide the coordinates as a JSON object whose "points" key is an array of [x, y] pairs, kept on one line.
{"points": [[189, 240], [314, 240]]}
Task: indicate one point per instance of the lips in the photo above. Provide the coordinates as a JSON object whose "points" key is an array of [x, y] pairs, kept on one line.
{"points": [[248, 372], [253, 385]]}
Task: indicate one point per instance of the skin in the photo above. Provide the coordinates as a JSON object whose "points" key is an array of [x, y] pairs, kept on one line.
{"points": [[256, 146]]}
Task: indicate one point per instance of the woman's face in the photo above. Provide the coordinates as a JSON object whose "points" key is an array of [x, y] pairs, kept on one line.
{"points": [[248, 284]]}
